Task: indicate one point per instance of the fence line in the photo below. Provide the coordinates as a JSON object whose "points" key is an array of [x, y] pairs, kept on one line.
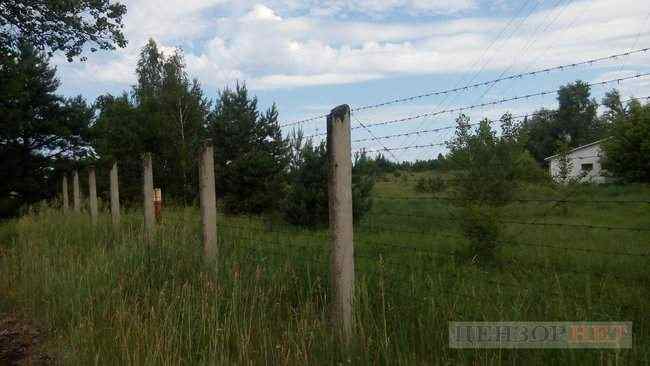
{"points": [[563, 67], [344, 258], [496, 102], [455, 199], [454, 126]]}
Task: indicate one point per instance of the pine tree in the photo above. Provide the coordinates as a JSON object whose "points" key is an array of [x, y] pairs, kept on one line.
{"points": [[38, 127], [307, 199], [251, 155]]}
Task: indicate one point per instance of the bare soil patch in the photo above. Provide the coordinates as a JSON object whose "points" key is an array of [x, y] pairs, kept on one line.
{"points": [[20, 343]]}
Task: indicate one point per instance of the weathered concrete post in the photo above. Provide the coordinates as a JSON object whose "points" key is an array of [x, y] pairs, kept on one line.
{"points": [[92, 194], [147, 189], [340, 218], [65, 192], [115, 196], [208, 201], [76, 194]]}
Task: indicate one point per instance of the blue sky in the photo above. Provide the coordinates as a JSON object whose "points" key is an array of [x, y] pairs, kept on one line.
{"points": [[309, 56]]}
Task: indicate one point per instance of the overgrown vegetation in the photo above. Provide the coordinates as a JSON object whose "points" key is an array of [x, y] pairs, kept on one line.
{"points": [[488, 169], [107, 298], [628, 148], [306, 203]]}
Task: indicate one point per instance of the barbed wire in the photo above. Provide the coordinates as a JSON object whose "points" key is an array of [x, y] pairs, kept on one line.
{"points": [[283, 255], [515, 222], [496, 102], [520, 200], [451, 127], [601, 272], [586, 250], [374, 138], [273, 243], [562, 67], [273, 230], [387, 149]]}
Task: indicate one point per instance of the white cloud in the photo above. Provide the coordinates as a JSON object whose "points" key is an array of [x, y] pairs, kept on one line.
{"points": [[261, 13], [275, 81], [302, 51], [292, 43]]}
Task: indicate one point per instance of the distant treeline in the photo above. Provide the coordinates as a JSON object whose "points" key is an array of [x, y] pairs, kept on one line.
{"points": [[258, 168]]}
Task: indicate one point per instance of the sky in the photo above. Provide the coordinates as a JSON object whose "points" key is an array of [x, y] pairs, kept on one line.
{"points": [[308, 56]]}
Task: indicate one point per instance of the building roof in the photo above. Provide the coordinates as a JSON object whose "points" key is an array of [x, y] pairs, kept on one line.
{"points": [[579, 148]]}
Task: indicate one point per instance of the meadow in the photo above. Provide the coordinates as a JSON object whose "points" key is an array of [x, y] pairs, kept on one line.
{"points": [[106, 296]]}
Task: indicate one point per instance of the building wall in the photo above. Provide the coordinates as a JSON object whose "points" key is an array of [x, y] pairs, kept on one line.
{"points": [[579, 161]]}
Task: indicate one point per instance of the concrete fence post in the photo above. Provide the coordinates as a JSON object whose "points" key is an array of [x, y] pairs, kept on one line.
{"points": [[147, 189], [340, 218], [115, 196], [65, 192], [76, 194], [92, 194], [208, 199]]}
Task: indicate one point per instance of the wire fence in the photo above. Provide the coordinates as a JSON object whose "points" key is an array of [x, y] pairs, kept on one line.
{"points": [[411, 237], [378, 254], [426, 244]]}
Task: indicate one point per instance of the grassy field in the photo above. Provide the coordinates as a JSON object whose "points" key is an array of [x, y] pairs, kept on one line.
{"points": [[106, 297]]}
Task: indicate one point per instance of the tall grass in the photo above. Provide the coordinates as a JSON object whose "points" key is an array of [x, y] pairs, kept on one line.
{"points": [[108, 297]]}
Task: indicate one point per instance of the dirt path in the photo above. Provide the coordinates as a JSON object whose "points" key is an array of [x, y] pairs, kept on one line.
{"points": [[19, 343]]}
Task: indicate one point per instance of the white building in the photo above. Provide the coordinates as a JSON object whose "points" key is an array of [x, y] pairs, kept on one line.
{"points": [[584, 164]]}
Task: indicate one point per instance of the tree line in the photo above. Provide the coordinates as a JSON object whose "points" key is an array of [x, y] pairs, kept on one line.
{"points": [[258, 169]]}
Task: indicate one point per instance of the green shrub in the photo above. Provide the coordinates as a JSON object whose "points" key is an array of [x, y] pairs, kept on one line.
{"points": [[430, 185], [480, 226], [307, 200], [628, 148]]}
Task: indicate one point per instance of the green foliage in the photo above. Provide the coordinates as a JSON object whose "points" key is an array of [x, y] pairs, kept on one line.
{"points": [[481, 227], [66, 26], [565, 164], [127, 302], [487, 169], [307, 200], [251, 155], [627, 152], [165, 116], [364, 176], [38, 128], [307, 203], [430, 185], [383, 165], [575, 117]]}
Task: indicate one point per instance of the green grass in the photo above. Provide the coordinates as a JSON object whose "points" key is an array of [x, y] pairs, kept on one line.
{"points": [[107, 297]]}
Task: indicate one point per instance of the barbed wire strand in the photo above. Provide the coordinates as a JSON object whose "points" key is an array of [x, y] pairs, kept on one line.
{"points": [[562, 67]]}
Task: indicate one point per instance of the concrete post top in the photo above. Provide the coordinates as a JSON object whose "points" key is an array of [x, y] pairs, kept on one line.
{"points": [[339, 111], [207, 142]]}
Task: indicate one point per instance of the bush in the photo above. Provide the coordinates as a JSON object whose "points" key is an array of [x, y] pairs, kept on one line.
{"points": [[430, 185], [481, 227], [307, 199], [487, 170], [628, 148]]}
